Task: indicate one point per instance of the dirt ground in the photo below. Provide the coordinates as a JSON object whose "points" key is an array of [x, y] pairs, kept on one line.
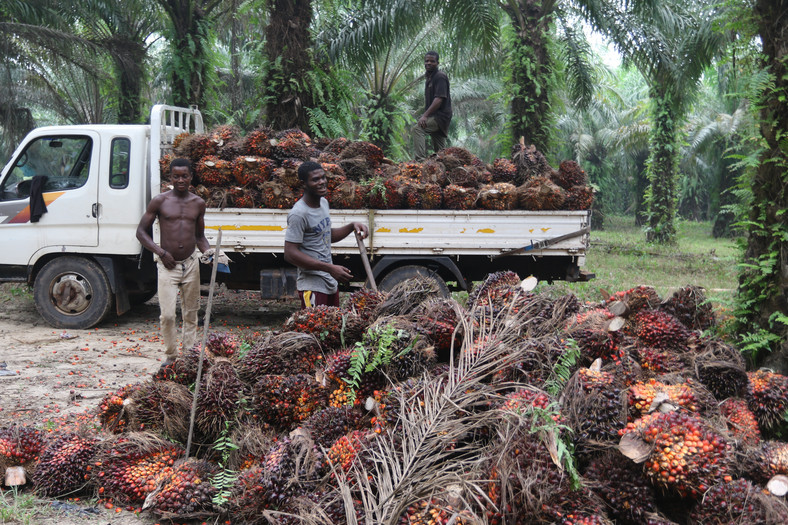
{"points": [[54, 378]]}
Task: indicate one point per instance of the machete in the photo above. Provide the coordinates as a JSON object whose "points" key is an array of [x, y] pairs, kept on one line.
{"points": [[539, 245]]}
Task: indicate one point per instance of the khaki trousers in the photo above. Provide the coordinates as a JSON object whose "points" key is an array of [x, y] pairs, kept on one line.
{"points": [[420, 138], [186, 278]]}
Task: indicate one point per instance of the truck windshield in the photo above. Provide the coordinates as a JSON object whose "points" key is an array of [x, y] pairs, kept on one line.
{"points": [[64, 160]]}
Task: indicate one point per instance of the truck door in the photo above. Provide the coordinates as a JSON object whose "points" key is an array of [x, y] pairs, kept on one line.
{"points": [[68, 164]]}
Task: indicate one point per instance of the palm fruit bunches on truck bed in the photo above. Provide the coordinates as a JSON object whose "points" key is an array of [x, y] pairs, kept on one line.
{"points": [[418, 196], [371, 153], [622, 486], [348, 195], [432, 172], [277, 195], [738, 501], [186, 492], [243, 197], [579, 198], [569, 174], [20, 445], [252, 170], [221, 392], [290, 144], [767, 397], [499, 196], [465, 157], [741, 421], [258, 142], [539, 193], [384, 193], [64, 465], [530, 162], [465, 177], [503, 170], [688, 455], [213, 171], [337, 145], [283, 401], [459, 198]]}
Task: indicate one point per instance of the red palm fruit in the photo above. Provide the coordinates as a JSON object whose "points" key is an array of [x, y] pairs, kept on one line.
{"points": [[439, 319], [213, 171], [631, 301], [252, 170], [622, 486], [223, 344], [594, 406], [463, 155], [184, 492], [579, 198], [503, 170], [767, 397], [184, 369], [459, 198], [111, 410], [494, 284], [466, 177], [329, 324], [258, 142], [569, 175], [741, 421], [661, 330], [197, 146], [658, 361], [690, 306], [766, 460], [161, 406], [410, 170], [643, 394], [288, 353], [225, 133], [243, 197], [63, 465], [370, 152], [417, 196], [432, 172], [499, 196], [688, 456], [19, 445], [347, 449], [524, 400], [738, 501], [276, 195], [434, 512], [291, 146], [384, 193], [164, 166], [337, 145], [331, 423], [364, 301], [283, 401]]}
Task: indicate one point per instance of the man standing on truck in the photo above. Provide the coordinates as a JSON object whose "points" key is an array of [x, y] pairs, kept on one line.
{"points": [[437, 113], [181, 217], [308, 241]]}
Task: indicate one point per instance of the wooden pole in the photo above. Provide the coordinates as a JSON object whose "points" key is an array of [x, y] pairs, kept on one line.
{"points": [[365, 260]]}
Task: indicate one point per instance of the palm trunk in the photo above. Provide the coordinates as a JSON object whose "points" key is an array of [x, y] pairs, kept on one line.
{"points": [[763, 291], [662, 173], [128, 58]]}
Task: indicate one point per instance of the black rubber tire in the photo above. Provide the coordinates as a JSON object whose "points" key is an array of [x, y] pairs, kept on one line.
{"points": [[403, 273], [138, 298], [85, 283]]}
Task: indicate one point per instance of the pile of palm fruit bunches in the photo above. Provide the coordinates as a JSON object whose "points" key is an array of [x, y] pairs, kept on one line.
{"points": [[259, 170], [520, 406]]}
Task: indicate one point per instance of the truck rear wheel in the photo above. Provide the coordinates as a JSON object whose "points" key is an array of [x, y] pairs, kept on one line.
{"points": [[72, 292], [403, 273]]}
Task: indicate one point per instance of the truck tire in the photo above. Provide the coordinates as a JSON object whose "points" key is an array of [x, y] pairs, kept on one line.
{"points": [[138, 298], [403, 273], [72, 292]]}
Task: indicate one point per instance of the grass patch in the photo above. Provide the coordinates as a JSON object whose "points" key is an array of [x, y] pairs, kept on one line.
{"points": [[621, 259], [16, 507], [11, 291]]}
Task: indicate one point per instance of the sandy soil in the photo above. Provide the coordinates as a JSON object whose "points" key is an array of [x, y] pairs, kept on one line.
{"points": [[61, 376]]}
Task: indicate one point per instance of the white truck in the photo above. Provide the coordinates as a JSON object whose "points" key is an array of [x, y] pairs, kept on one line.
{"points": [[82, 258]]}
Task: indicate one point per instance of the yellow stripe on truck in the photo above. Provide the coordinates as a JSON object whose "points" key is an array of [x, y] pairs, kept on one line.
{"points": [[253, 228]]}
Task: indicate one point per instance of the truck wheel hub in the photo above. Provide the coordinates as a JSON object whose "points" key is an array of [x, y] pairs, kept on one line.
{"points": [[71, 293]]}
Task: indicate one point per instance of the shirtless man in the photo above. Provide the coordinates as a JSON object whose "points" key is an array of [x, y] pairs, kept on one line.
{"points": [[182, 222]]}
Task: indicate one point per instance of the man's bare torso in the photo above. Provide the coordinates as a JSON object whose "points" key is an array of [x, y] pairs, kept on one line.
{"points": [[178, 221]]}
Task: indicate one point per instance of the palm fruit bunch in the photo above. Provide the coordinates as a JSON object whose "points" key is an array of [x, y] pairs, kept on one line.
{"points": [[213, 171], [594, 406], [176, 142], [291, 144], [243, 197], [569, 175], [185, 492], [258, 142], [348, 195], [529, 162], [222, 344], [162, 407], [720, 367], [579, 198], [348, 449], [643, 394], [283, 401], [332, 326], [253, 494], [336, 146], [276, 195], [539, 193], [591, 330], [252, 170], [335, 176], [741, 421], [357, 169], [164, 166], [371, 153], [459, 198], [465, 157], [690, 306], [432, 172], [410, 170], [225, 133], [328, 424], [434, 512], [634, 300], [288, 353], [656, 360], [439, 320], [197, 146], [493, 285], [766, 461], [767, 397], [661, 330], [127, 472], [738, 501], [395, 345], [218, 198], [19, 445], [575, 507], [384, 193], [622, 487], [231, 150], [418, 196], [64, 465], [221, 393], [338, 371], [388, 403], [523, 401], [688, 456], [503, 170], [184, 369], [363, 302], [498, 196], [465, 177], [111, 410]]}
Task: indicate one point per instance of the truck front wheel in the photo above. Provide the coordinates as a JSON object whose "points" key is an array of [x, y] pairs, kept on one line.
{"points": [[72, 292], [403, 273]]}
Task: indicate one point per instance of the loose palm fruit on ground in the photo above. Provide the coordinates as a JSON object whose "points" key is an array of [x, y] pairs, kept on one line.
{"points": [[767, 397], [64, 465]]}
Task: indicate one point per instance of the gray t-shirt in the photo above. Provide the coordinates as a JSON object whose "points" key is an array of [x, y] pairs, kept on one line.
{"points": [[311, 228]]}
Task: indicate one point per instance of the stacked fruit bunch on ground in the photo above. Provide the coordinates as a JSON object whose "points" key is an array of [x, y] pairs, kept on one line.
{"points": [[520, 405], [259, 170]]}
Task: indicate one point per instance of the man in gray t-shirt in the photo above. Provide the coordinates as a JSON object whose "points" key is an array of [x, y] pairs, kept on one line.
{"points": [[308, 241]]}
